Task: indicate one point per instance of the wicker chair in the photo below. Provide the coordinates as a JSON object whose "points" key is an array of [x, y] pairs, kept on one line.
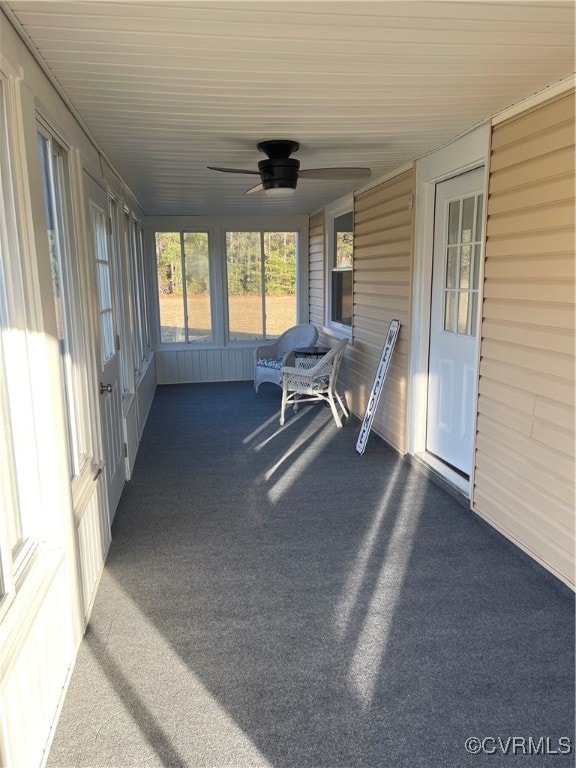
{"points": [[269, 359], [301, 385]]}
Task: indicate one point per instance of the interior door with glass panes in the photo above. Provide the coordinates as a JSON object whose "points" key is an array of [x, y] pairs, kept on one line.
{"points": [[454, 319], [109, 384]]}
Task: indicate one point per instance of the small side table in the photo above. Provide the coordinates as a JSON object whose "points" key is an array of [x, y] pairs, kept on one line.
{"points": [[307, 357]]}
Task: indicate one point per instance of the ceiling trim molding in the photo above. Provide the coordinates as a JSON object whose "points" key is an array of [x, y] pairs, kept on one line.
{"points": [[37, 56], [535, 100]]}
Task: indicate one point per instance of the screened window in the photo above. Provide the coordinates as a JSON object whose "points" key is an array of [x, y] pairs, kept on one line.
{"points": [[120, 305], [65, 292], [20, 490], [138, 291], [19, 478], [142, 279], [183, 275], [261, 279]]}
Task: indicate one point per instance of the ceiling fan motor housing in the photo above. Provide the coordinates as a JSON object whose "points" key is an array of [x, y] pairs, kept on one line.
{"points": [[279, 173]]}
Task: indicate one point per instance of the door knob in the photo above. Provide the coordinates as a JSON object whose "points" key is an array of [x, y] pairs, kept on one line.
{"points": [[105, 388]]}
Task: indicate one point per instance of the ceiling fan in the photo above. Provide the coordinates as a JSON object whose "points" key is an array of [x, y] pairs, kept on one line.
{"points": [[279, 174]]}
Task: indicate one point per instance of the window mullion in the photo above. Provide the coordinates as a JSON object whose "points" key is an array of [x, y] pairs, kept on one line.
{"points": [[471, 274], [184, 298], [263, 283]]}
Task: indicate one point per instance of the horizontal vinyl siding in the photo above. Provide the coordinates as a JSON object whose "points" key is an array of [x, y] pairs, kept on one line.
{"points": [[383, 231], [524, 464], [316, 266]]}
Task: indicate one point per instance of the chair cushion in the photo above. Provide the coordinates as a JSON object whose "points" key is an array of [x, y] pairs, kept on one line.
{"points": [[270, 363]]}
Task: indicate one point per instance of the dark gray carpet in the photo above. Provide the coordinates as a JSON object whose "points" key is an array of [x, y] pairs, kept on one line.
{"points": [[273, 599]]}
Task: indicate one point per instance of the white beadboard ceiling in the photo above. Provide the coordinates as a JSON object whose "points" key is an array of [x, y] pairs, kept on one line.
{"points": [[167, 88]]}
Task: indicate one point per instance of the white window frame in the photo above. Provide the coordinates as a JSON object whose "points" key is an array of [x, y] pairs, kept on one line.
{"points": [[137, 281], [77, 401], [21, 523], [142, 274], [216, 227], [187, 340], [261, 230], [331, 213], [115, 211]]}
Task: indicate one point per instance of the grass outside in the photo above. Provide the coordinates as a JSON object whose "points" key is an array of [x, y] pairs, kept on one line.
{"points": [[245, 314]]}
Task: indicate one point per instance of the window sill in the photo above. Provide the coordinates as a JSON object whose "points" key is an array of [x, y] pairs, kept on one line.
{"points": [[204, 346], [17, 610], [337, 331], [175, 346]]}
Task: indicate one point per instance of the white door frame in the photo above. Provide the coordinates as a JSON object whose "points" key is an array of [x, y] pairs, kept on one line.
{"points": [[464, 154], [108, 372]]}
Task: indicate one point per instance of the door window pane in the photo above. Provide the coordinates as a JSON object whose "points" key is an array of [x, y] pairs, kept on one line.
{"points": [[463, 253], [465, 266], [99, 227], [453, 222], [452, 268], [468, 206], [450, 311], [463, 312]]}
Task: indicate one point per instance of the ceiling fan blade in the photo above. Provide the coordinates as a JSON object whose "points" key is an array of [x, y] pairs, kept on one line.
{"points": [[232, 170], [257, 188], [335, 174]]}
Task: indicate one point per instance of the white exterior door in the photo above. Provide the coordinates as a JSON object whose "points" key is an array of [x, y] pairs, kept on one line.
{"points": [[109, 385], [454, 319]]}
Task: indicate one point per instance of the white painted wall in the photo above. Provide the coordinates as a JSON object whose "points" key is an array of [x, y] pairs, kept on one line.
{"points": [[45, 607]]}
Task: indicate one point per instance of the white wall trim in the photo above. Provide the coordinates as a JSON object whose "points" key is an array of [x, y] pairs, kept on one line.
{"points": [[22, 34], [535, 100], [464, 154], [7, 68], [332, 211]]}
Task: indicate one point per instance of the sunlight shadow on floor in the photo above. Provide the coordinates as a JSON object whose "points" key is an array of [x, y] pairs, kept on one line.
{"points": [[304, 439], [293, 473], [373, 637], [137, 669], [253, 435], [356, 574], [279, 429]]}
